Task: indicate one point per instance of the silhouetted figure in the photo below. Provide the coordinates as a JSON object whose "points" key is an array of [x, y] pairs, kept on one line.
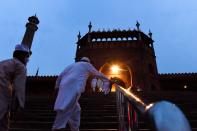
{"points": [[12, 83], [71, 83]]}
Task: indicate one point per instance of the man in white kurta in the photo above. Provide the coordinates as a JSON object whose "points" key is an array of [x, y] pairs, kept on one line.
{"points": [[71, 83], [12, 80]]}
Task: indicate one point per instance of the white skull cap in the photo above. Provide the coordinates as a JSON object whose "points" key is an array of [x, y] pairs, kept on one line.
{"points": [[21, 47], [85, 59]]}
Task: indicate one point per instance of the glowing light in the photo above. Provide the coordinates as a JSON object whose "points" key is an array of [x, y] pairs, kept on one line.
{"points": [[113, 89], [149, 106], [115, 69], [185, 86]]}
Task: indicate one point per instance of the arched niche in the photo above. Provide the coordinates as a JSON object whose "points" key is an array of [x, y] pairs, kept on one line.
{"points": [[124, 73], [109, 39], [119, 39], [114, 39], [134, 38], [94, 40], [124, 39], [129, 38], [99, 39]]}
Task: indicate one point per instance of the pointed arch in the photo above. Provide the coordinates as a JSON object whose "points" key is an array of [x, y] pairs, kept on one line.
{"points": [[124, 75]]}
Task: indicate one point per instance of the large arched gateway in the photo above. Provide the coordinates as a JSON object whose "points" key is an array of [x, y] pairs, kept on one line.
{"points": [[132, 50]]}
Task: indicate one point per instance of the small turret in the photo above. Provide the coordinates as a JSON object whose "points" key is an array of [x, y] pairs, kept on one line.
{"points": [[79, 36], [150, 34], [138, 26], [90, 26]]}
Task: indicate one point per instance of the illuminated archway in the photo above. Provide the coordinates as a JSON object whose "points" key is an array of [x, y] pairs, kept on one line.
{"points": [[118, 70]]}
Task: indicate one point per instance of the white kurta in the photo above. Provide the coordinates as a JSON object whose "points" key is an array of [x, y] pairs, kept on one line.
{"points": [[71, 83], [12, 77]]}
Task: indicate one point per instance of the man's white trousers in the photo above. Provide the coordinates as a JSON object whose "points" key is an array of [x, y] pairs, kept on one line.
{"points": [[72, 117]]}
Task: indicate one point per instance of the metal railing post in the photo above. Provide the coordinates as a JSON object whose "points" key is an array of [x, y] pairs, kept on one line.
{"points": [[120, 110], [132, 118], [129, 123]]}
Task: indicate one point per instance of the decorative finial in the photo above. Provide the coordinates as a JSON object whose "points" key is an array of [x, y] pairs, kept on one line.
{"points": [[79, 36], [90, 26], [138, 26], [150, 34], [37, 71]]}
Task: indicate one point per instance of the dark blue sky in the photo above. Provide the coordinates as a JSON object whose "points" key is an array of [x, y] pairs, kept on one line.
{"points": [[172, 22]]}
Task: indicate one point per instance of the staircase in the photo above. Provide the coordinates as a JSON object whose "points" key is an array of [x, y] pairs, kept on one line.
{"points": [[98, 114], [98, 111]]}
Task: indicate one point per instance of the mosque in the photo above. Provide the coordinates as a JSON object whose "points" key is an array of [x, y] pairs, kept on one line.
{"points": [[126, 56]]}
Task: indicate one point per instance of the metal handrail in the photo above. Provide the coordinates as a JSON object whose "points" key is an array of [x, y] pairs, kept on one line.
{"points": [[162, 116]]}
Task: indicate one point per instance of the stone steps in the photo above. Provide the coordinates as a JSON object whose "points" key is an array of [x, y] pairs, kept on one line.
{"points": [[22, 129], [99, 112], [46, 125]]}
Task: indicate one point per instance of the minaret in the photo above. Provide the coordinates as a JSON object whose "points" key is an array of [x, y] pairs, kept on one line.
{"points": [[31, 27]]}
